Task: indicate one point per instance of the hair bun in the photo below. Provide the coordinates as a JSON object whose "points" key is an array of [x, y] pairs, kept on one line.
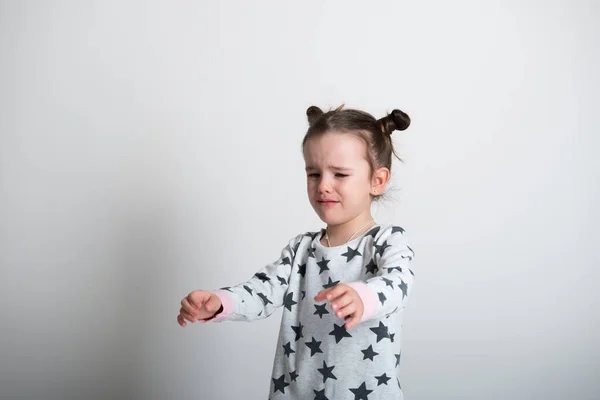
{"points": [[396, 120], [313, 113]]}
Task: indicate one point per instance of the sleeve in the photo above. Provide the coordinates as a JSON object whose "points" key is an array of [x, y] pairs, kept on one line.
{"points": [[387, 292], [263, 293]]}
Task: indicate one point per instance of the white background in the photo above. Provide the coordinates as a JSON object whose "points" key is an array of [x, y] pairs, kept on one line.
{"points": [[148, 149]]}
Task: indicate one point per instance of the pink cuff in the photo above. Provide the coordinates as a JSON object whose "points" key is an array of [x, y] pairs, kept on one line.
{"points": [[226, 303], [367, 297]]}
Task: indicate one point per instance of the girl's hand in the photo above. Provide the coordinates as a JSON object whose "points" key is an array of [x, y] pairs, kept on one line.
{"points": [[345, 303], [198, 305]]}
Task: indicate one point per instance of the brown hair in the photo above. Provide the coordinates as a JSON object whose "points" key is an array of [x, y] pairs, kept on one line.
{"points": [[376, 133]]}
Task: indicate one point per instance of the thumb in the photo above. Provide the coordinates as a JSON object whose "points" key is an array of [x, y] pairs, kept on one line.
{"points": [[213, 303]]}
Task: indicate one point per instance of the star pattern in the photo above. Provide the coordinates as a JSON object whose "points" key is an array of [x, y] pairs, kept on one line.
{"points": [[288, 302], [326, 372], [287, 349], [314, 346], [286, 261], [298, 331], [388, 282], [371, 267], [381, 248], [264, 299], [339, 332], [382, 379], [330, 283], [369, 353], [302, 269], [373, 232], [361, 392], [351, 253], [281, 292], [381, 331], [321, 310], [280, 384], [404, 287], [293, 376], [323, 265], [397, 229], [262, 276]]}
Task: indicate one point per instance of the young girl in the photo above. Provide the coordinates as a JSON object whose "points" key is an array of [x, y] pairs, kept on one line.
{"points": [[343, 288]]}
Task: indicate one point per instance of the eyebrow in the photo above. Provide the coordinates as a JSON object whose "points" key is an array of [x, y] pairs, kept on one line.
{"points": [[311, 168]]}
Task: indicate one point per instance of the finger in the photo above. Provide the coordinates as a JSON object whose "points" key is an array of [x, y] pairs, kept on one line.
{"points": [[213, 304], [337, 291], [346, 311], [185, 305], [322, 295], [197, 298], [188, 316], [181, 320], [342, 301], [353, 320]]}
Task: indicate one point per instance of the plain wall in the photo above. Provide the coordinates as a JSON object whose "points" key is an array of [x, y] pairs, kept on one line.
{"points": [[148, 149]]}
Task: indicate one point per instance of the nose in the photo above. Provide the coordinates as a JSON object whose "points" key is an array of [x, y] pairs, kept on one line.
{"points": [[324, 185]]}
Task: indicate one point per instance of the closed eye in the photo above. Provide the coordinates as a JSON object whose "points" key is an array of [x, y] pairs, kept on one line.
{"points": [[313, 175], [338, 175]]}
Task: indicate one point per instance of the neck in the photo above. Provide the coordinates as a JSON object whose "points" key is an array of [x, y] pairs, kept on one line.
{"points": [[342, 233]]}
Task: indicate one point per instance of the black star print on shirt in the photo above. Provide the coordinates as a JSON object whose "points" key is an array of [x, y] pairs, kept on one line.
{"points": [[330, 283], [286, 261], [392, 337], [264, 299], [404, 287], [262, 276], [314, 346], [339, 332], [311, 252], [395, 268], [303, 294], [381, 248], [382, 379], [320, 395], [248, 289], [381, 331], [397, 229], [369, 353], [323, 265], [228, 288], [326, 372], [351, 253], [302, 269], [397, 359], [296, 246], [382, 297], [280, 384], [373, 232], [288, 302], [298, 331], [371, 267], [321, 309], [281, 280], [388, 282], [287, 349], [361, 392], [293, 376]]}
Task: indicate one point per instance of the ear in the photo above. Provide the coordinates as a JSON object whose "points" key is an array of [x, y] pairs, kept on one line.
{"points": [[381, 176]]}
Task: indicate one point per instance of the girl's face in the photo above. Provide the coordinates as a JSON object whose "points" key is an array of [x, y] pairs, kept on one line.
{"points": [[338, 177]]}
